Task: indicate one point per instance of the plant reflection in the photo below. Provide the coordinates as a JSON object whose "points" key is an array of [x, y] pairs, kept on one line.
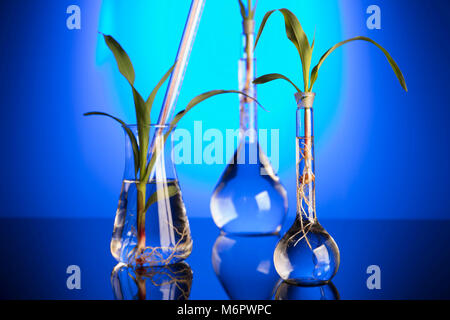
{"points": [[171, 282]]}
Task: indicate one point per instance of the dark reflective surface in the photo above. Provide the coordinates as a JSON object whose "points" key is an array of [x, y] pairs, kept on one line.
{"points": [[413, 257], [244, 266]]}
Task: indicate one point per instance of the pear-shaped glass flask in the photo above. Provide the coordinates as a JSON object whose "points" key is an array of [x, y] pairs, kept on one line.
{"points": [[249, 198], [306, 254]]}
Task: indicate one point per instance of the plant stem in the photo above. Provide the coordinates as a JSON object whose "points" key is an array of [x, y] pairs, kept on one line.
{"points": [[249, 38], [140, 283], [141, 192], [309, 178], [249, 65]]}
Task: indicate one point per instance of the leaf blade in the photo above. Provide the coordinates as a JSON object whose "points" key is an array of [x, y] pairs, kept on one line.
{"points": [[122, 59], [195, 101], [274, 76], [243, 11], [171, 191], [142, 112], [297, 35], [129, 133], [151, 97], [394, 66], [143, 124], [262, 25]]}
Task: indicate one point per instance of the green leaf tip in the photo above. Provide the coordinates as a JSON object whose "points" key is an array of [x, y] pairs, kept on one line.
{"points": [[122, 59], [130, 135], [393, 64]]}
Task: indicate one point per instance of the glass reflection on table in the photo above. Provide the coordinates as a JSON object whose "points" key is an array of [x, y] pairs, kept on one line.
{"points": [[171, 282], [244, 266], [287, 291]]}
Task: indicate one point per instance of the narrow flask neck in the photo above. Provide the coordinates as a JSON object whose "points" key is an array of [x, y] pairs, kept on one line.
{"points": [[306, 194], [248, 107], [248, 41]]}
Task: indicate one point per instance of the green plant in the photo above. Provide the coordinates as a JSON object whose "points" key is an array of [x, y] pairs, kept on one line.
{"points": [[248, 25], [249, 12], [297, 36], [143, 165], [305, 157]]}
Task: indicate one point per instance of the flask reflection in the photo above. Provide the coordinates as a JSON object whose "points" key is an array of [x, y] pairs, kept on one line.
{"points": [[172, 282], [287, 291], [244, 266]]}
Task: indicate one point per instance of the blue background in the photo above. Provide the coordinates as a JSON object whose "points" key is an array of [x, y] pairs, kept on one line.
{"points": [[381, 153]]}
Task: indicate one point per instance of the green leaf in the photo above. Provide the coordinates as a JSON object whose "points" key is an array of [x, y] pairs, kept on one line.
{"points": [[397, 71], [243, 11], [296, 34], [252, 11], [146, 120], [143, 123], [263, 24], [129, 133], [274, 76], [142, 111], [204, 96], [171, 191], [151, 97], [198, 99], [122, 58], [313, 42]]}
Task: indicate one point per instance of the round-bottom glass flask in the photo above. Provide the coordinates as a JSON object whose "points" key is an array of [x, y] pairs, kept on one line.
{"points": [[306, 254]]}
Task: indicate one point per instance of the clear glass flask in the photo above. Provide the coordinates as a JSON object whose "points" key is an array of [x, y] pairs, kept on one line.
{"points": [[249, 198], [164, 236], [306, 254]]}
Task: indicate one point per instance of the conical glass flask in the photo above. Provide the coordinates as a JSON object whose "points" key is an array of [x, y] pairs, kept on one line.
{"points": [[244, 266], [249, 198], [163, 235], [306, 254], [171, 282]]}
